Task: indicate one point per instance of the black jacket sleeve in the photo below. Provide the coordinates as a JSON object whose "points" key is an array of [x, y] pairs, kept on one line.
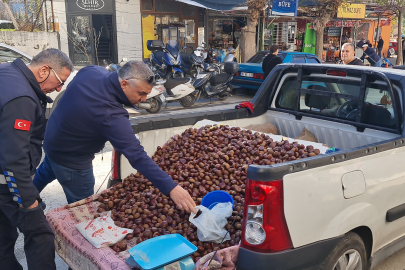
{"points": [[15, 149], [117, 129]]}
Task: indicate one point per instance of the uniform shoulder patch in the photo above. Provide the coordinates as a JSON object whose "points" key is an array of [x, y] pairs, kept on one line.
{"points": [[22, 124]]}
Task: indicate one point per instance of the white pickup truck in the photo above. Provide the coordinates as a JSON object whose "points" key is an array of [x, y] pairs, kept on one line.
{"points": [[340, 210]]}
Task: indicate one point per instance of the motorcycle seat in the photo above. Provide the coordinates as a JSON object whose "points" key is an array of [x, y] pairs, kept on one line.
{"points": [[159, 56], [172, 83], [220, 78]]}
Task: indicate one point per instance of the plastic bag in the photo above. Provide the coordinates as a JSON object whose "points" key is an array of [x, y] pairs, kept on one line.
{"points": [[102, 232], [211, 223]]}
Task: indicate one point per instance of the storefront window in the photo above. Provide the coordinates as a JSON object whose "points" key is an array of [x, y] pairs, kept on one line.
{"points": [[362, 32], [221, 35], [167, 6], [147, 5]]}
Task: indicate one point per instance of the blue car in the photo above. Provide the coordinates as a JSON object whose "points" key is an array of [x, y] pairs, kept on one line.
{"points": [[250, 74]]}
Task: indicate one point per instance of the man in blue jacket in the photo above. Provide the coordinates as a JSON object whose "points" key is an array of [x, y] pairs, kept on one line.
{"points": [[91, 113], [371, 56], [22, 125]]}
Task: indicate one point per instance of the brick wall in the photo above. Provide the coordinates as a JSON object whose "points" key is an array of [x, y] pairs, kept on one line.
{"points": [[30, 43]]}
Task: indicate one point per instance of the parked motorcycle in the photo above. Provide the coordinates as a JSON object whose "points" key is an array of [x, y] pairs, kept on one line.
{"points": [[171, 90], [191, 64], [209, 85], [165, 60]]}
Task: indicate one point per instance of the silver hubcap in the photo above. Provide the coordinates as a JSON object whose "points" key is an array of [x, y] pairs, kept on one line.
{"points": [[350, 260]]}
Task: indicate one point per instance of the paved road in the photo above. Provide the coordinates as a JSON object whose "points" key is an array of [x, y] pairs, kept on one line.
{"points": [[54, 197]]}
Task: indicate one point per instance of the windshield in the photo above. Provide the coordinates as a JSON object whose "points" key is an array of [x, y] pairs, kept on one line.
{"points": [[173, 47], [258, 57]]}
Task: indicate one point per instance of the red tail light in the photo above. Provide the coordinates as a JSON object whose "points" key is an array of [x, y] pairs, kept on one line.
{"points": [[258, 76], [237, 74], [114, 164], [336, 73], [264, 226]]}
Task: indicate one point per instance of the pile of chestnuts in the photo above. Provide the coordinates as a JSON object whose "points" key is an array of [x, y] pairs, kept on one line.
{"points": [[199, 160]]}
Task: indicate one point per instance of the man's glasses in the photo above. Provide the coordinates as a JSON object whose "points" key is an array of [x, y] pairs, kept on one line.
{"points": [[57, 77]]}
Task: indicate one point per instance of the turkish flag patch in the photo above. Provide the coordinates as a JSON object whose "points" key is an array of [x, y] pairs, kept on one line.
{"points": [[22, 124]]}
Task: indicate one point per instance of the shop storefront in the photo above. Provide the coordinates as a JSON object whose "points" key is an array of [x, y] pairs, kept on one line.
{"points": [[171, 21], [91, 30]]}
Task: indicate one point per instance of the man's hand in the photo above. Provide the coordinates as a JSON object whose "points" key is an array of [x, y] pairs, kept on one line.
{"points": [[35, 204], [182, 199]]}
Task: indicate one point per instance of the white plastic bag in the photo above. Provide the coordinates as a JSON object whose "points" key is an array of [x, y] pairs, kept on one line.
{"points": [[211, 223], [102, 232]]}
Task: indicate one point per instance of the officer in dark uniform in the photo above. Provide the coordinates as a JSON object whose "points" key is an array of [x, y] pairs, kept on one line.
{"points": [[22, 125]]}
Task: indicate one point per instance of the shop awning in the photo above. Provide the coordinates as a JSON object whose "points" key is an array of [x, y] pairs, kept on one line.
{"points": [[214, 4]]}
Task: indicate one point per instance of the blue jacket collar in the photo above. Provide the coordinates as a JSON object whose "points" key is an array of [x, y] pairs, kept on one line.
{"points": [[120, 95], [22, 67]]}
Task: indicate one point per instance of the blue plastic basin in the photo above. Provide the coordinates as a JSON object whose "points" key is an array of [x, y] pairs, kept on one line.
{"points": [[214, 197]]}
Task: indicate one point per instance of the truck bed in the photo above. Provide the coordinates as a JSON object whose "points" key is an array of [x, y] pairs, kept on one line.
{"points": [[332, 134]]}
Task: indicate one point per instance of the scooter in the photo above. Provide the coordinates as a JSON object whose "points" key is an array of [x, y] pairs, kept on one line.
{"points": [[230, 56], [165, 60], [209, 85], [171, 90]]}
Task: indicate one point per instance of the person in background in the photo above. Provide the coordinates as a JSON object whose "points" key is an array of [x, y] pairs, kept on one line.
{"points": [[22, 126], [368, 43], [90, 114], [380, 45], [350, 40], [271, 60], [371, 56], [347, 55], [361, 43]]}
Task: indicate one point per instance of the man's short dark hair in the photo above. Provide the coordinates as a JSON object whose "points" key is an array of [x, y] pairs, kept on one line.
{"points": [[54, 58], [273, 48]]}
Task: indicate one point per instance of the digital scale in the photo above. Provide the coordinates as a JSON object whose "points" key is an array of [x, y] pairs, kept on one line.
{"points": [[166, 252]]}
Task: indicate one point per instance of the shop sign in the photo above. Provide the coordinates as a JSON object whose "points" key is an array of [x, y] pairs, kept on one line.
{"points": [[352, 11], [343, 23], [90, 4], [385, 22], [285, 8]]}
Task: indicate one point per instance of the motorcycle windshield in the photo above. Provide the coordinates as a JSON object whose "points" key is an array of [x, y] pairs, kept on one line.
{"points": [[173, 48]]}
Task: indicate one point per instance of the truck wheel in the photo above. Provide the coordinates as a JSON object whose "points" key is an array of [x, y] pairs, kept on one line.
{"points": [[155, 105], [350, 253], [187, 101], [56, 101]]}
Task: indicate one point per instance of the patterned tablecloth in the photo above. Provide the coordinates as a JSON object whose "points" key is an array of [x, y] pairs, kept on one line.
{"points": [[79, 254]]}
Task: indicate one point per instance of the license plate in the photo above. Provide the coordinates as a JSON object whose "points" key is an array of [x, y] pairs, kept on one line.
{"points": [[245, 74], [162, 98]]}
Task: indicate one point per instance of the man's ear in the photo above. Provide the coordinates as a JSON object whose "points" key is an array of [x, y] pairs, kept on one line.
{"points": [[124, 84], [43, 72]]}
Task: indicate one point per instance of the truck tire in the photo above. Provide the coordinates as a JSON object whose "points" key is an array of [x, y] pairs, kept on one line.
{"points": [[56, 101], [155, 105], [350, 253]]}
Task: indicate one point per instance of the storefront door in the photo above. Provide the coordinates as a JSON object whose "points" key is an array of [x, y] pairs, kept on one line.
{"points": [[91, 32]]}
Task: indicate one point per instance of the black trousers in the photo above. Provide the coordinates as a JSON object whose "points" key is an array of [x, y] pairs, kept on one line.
{"points": [[39, 237]]}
